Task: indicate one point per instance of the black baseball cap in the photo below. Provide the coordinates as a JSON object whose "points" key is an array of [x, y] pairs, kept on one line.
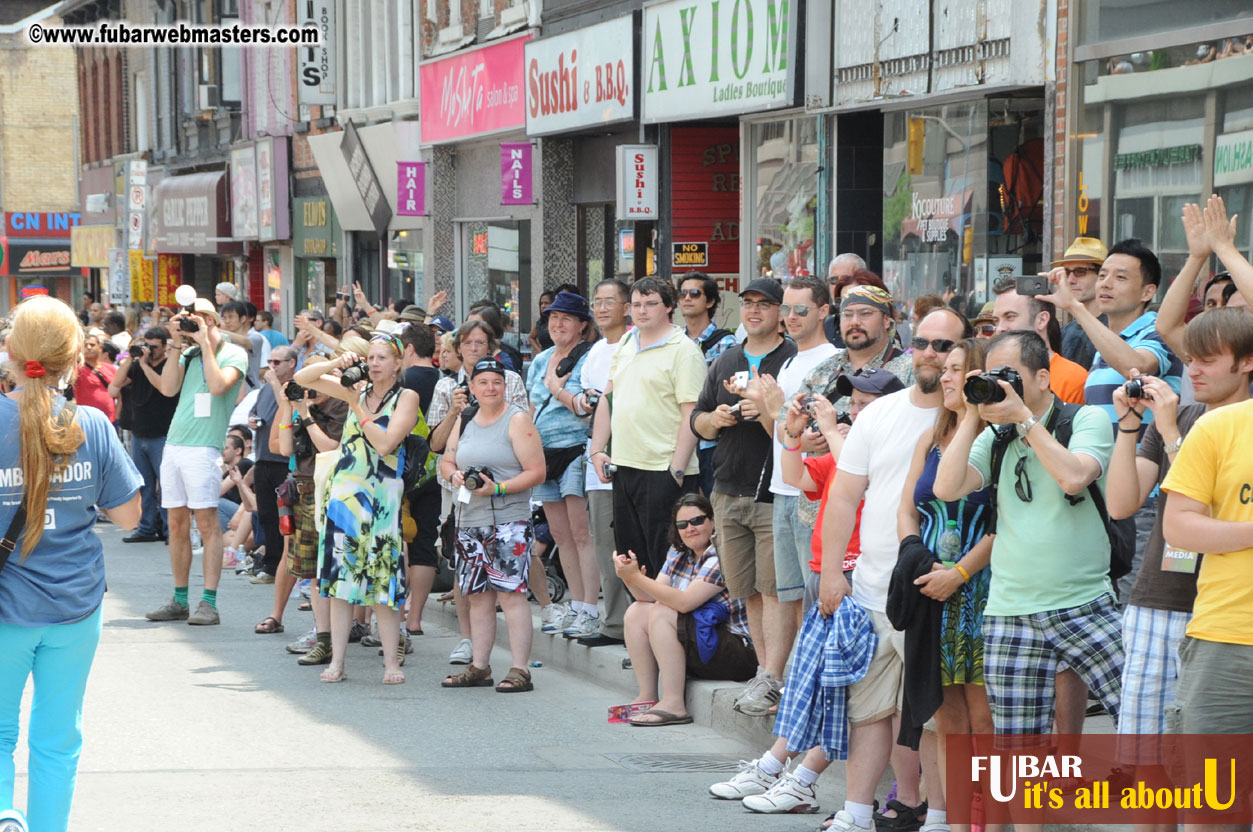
{"points": [[869, 380], [767, 288], [488, 365]]}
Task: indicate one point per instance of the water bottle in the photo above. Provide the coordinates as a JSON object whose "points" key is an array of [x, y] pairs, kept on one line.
{"points": [[949, 549], [196, 541]]}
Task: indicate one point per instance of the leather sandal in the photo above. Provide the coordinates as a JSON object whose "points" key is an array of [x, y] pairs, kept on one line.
{"points": [[471, 677], [268, 625], [517, 680]]}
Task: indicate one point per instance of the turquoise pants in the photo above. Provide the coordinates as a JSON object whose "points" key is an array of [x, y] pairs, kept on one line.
{"points": [[59, 657]]}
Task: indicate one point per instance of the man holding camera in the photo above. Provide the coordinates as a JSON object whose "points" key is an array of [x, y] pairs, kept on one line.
{"points": [[271, 467], [140, 370], [1052, 600], [746, 526], [206, 378]]}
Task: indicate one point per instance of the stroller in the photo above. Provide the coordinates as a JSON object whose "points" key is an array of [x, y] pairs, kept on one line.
{"points": [[546, 548]]}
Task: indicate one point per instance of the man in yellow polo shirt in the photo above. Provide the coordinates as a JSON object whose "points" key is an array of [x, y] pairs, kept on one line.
{"points": [[654, 382], [1209, 509]]}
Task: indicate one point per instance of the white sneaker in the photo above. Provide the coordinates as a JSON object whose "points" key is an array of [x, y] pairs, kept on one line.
{"points": [[760, 694], [843, 821], [463, 652], [556, 617], [584, 624], [305, 643], [749, 781], [786, 797]]}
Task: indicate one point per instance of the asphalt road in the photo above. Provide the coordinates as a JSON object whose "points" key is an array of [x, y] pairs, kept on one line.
{"points": [[219, 729]]}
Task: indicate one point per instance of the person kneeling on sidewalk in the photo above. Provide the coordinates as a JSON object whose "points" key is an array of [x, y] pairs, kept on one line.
{"points": [[684, 621]]}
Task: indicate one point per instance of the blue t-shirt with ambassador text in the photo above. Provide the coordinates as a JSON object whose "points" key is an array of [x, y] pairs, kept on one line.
{"points": [[62, 580]]}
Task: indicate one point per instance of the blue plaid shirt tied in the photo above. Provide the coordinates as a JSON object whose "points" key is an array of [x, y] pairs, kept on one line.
{"points": [[831, 654]]}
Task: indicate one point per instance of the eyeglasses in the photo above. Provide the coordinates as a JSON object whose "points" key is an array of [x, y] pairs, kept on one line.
{"points": [[691, 293], [605, 303], [986, 330], [274, 362], [939, 344], [1080, 271], [763, 305], [865, 313], [801, 310], [1022, 485], [698, 520], [648, 304]]}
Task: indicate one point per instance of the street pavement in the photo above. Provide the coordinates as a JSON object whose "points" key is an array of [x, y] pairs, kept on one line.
{"points": [[216, 728]]}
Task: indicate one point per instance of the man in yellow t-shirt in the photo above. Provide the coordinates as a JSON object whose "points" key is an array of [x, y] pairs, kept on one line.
{"points": [[654, 381], [1209, 508]]}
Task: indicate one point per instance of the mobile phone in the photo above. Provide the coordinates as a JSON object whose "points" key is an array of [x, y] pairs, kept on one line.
{"points": [[1033, 284]]}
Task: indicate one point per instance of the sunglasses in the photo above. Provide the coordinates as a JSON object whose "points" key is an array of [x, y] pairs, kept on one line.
{"points": [[940, 345], [1080, 271], [986, 329], [274, 362], [698, 520], [1022, 485], [801, 310], [691, 293]]}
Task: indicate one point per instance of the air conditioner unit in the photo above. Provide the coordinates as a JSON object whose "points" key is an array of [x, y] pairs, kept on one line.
{"points": [[207, 96]]}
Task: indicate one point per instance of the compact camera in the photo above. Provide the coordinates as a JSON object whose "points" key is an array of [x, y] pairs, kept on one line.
{"points": [[475, 477], [610, 470], [1134, 388], [593, 398], [984, 389], [188, 325]]}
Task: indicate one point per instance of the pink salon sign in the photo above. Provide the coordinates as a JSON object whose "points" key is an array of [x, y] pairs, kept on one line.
{"points": [[473, 93]]}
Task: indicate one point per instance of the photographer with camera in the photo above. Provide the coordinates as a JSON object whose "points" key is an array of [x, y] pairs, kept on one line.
{"points": [[270, 469], [206, 378], [139, 373], [494, 464], [1051, 600], [307, 422]]}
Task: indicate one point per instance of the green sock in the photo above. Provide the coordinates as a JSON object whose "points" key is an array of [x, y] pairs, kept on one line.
{"points": [[180, 595], [324, 638], [210, 597]]}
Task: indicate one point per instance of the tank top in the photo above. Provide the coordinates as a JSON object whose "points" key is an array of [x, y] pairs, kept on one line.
{"points": [[488, 446]]}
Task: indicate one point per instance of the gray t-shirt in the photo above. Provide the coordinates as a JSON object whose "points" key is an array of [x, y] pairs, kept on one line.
{"points": [[488, 446], [258, 344]]}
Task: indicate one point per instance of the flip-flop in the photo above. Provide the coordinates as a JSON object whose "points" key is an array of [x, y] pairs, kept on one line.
{"points": [[417, 632], [266, 628], [394, 678], [333, 676], [667, 718]]}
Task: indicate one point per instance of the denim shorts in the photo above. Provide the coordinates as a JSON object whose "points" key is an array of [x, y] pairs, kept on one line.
{"points": [[569, 484], [793, 542]]}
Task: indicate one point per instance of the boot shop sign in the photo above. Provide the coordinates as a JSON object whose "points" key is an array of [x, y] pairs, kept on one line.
{"points": [[717, 57], [581, 79]]}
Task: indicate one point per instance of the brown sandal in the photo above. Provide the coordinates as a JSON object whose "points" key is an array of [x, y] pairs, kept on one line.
{"points": [[518, 680], [471, 677], [268, 625]]}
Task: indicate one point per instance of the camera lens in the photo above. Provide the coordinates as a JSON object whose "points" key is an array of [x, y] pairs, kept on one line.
{"points": [[983, 389], [1134, 388], [354, 374], [188, 325]]}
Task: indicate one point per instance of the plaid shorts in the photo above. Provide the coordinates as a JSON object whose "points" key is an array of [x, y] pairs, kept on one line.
{"points": [[1020, 658], [302, 555], [1150, 672]]}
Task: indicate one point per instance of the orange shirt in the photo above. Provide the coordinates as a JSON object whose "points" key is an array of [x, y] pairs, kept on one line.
{"points": [[1067, 379]]}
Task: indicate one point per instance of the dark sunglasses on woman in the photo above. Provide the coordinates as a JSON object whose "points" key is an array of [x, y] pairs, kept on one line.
{"points": [[698, 520]]}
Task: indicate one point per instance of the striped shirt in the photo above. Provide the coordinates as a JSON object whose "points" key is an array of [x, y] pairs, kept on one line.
{"points": [[685, 567], [1103, 380]]}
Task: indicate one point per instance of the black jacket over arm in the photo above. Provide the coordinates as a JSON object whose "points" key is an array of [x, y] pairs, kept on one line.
{"points": [[919, 616]]}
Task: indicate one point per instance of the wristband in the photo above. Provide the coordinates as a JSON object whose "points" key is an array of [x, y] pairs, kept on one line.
{"points": [[1126, 430], [500, 490], [365, 422], [786, 448], [284, 427], [965, 575]]}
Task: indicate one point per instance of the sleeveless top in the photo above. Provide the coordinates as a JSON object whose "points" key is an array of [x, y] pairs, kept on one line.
{"points": [[971, 513], [488, 446]]}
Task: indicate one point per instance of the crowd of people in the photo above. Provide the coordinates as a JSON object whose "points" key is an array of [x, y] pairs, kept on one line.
{"points": [[1011, 509]]}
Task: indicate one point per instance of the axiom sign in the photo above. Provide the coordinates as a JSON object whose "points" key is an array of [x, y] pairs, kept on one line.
{"points": [[717, 57]]}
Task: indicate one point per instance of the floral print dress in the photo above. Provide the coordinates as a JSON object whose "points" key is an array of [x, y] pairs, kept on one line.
{"points": [[360, 553]]}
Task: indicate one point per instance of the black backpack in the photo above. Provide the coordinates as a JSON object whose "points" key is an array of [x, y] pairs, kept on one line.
{"points": [[714, 337], [1121, 533]]}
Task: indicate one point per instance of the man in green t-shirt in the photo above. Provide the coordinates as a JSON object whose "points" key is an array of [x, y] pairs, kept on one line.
{"points": [[206, 378]]}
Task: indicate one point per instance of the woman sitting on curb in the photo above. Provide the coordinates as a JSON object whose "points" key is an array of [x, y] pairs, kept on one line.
{"points": [[684, 622]]}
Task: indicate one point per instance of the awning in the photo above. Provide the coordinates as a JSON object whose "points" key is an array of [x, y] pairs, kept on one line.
{"points": [[385, 144], [191, 215]]}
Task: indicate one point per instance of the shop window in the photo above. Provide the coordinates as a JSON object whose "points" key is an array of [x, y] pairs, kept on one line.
{"points": [[1105, 20], [784, 196], [495, 265], [406, 267]]}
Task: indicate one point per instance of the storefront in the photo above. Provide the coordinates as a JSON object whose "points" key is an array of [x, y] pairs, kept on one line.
{"points": [[1163, 116], [35, 257], [741, 161], [89, 250], [316, 242], [484, 180], [191, 216], [580, 86], [260, 216]]}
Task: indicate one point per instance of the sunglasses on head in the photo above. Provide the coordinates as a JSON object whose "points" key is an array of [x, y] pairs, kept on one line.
{"points": [[698, 520], [938, 344]]}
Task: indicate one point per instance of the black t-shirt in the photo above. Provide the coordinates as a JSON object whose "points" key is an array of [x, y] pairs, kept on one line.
{"points": [[244, 465], [151, 412], [421, 380]]}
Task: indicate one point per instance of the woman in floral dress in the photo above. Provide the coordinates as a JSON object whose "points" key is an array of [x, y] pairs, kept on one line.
{"points": [[360, 552]]}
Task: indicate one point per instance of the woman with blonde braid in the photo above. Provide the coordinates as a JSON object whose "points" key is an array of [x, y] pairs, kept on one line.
{"points": [[52, 585], [360, 557]]}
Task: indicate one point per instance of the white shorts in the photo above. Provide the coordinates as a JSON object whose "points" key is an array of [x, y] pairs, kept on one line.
{"points": [[190, 477]]}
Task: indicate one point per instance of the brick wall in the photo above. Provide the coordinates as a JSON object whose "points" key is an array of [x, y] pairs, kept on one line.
{"points": [[1061, 205], [38, 136]]}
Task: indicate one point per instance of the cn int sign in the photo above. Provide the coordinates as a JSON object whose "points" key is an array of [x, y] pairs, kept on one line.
{"points": [[637, 181]]}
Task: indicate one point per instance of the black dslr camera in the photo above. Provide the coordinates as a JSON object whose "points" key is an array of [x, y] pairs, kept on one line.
{"points": [[188, 325], [295, 392], [354, 374], [984, 389], [475, 477]]}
